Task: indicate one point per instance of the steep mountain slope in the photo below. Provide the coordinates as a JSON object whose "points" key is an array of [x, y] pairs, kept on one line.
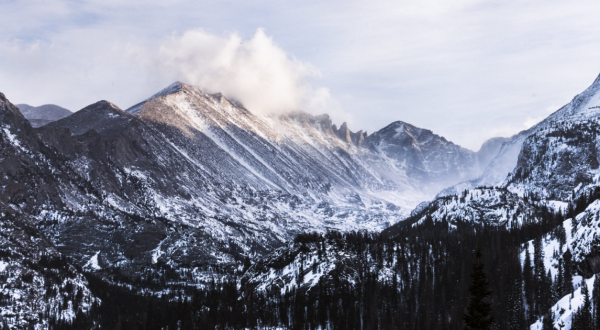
{"points": [[44, 114], [37, 284], [428, 158], [579, 107]]}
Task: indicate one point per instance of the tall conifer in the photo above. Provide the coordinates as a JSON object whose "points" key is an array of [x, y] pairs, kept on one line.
{"points": [[596, 300], [478, 313]]}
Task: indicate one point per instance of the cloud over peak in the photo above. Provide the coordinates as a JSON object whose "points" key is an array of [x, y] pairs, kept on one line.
{"points": [[256, 72]]}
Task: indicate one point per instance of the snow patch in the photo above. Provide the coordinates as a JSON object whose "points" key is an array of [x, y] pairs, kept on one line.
{"points": [[93, 262]]}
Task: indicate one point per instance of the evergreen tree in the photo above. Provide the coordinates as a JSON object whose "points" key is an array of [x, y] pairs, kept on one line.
{"points": [[596, 300], [582, 320], [548, 321], [478, 313], [587, 306], [516, 316], [528, 280], [538, 275], [567, 277]]}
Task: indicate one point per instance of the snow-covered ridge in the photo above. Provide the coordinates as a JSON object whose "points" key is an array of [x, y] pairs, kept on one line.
{"points": [[490, 206]]}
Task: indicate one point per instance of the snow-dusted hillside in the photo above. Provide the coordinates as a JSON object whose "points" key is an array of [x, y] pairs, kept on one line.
{"points": [[491, 206]]}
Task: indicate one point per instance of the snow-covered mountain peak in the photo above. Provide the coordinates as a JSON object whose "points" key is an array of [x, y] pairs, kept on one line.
{"points": [[171, 89], [400, 130]]}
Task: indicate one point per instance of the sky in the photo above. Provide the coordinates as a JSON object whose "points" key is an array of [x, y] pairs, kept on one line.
{"points": [[468, 70]]}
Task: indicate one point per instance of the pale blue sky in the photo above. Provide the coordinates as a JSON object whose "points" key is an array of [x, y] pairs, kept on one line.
{"points": [[468, 70]]}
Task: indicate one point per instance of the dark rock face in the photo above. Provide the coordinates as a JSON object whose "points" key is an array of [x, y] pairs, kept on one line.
{"points": [[29, 176], [30, 181], [590, 265], [557, 159], [44, 114]]}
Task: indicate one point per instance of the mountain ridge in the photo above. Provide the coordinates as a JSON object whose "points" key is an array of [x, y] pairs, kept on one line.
{"points": [[185, 164]]}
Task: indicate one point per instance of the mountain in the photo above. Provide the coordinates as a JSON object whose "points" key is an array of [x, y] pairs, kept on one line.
{"points": [[44, 114], [430, 159], [198, 182], [187, 185]]}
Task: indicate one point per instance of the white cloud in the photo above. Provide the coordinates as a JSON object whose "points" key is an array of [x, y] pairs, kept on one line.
{"points": [[256, 72], [79, 67], [83, 66]]}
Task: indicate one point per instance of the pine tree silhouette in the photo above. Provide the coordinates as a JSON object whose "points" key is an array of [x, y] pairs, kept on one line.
{"points": [[548, 322], [596, 302], [478, 313]]}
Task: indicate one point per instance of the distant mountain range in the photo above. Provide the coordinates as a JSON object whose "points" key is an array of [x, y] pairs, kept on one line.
{"points": [[44, 114]]}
